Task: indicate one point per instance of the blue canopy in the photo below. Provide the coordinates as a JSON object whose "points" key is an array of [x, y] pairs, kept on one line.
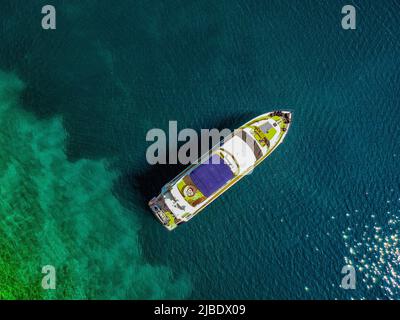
{"points": [[211, 175]]}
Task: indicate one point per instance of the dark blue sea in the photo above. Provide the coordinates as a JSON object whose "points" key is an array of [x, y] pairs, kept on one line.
{"points": [[84, 96]]}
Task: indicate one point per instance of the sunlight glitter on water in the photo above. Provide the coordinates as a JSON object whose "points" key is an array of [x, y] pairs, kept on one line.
{"points": [[374, 249]]}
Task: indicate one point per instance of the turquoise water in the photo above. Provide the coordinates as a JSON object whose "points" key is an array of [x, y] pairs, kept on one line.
{"points": [[76, 104]]}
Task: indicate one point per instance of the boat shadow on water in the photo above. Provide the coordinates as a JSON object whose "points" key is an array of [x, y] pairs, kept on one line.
{"points": [[135, 188], [148, 183]]}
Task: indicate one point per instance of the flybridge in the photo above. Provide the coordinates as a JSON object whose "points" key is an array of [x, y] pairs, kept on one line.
{"points": [[211, 176]]}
